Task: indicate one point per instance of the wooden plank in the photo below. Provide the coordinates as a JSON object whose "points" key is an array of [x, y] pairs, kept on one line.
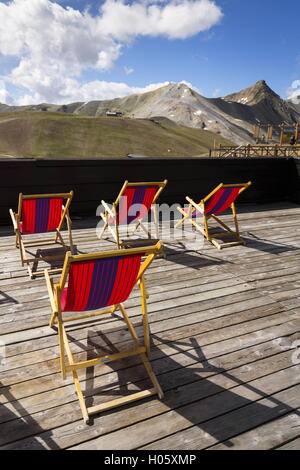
{"points": [[210, 331], [253, 412], [43, 396], [225, 427], [230, 333], [267, 436], [219, 387], [293, 445]]}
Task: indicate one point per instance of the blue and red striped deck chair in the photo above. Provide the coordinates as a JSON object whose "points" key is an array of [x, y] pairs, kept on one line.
{"points": [[102, 281], [218, 201], [132, 205], [41, 213]]}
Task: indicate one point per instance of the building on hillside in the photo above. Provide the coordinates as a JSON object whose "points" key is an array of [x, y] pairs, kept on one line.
{"points": [[114, 113]]}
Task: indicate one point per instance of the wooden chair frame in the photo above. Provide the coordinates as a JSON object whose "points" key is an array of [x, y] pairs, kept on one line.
{"points": [[188, 215], [143, 350], [112, 213], [21, 244]]}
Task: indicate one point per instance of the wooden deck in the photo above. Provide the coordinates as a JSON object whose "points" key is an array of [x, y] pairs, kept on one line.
{"points": [[223, 324]]}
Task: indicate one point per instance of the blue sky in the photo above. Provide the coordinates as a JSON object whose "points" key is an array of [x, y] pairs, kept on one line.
{"points": [[68, 50]]}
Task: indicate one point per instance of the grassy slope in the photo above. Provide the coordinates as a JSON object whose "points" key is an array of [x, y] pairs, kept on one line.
{"points": [[46, 135]]}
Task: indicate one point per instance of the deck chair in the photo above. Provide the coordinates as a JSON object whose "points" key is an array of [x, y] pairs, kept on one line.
{"points": [[96, 281], [218, 201], [41, 213], [132, 205]]}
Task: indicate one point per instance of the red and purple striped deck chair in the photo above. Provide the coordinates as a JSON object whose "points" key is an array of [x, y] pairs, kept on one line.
{"points": [[132, 206], [102, 281], [41, 213], [218, 201]]}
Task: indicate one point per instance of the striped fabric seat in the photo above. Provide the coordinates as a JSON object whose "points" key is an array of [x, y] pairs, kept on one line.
{"points": [[216, 202], [219, 202], [100, 283], [41, 215], [135, 203], [195, 213], [222, 200]]}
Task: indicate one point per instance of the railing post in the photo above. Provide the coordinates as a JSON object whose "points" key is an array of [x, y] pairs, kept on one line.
{"points": [[275, 150]]}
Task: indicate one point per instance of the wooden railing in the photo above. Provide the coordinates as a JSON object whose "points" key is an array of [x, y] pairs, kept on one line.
{"points": [[256, 151]]}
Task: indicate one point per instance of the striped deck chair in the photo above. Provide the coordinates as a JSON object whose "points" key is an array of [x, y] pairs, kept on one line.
{"points": [[132, 206], [97, 281], [218, 201], [41, 213]]}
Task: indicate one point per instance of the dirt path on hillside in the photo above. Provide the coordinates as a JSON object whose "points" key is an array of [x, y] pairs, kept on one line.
{"points": [[8, 119]]}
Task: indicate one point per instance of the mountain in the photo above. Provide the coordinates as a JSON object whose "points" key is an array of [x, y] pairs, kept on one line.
{"points": [[4, 108], [56, 135], [232, 116], [294, 103], [265, 105], [253, 95]]}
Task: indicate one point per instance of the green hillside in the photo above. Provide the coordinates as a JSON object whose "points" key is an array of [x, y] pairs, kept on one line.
{"points": [[58, 135]]}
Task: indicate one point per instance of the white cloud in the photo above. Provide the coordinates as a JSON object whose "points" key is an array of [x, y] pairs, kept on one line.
{"points": [[96, 90], [4, 95], [128, 70], [56, 44], [216, 92], [175, 19], [190, 85], [293, 92]]}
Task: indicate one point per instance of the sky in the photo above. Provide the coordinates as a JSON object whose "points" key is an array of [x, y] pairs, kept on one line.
{"points": [[63, 51]]}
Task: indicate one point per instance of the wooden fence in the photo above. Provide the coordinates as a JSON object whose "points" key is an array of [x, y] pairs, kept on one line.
{"points": [[256, 151]]}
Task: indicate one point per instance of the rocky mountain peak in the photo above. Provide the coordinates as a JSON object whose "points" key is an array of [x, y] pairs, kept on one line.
{"points": [[253, 94], [232, 116]]}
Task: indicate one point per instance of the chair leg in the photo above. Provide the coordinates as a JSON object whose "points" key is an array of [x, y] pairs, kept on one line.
{"points": [[21, 248], [81, 399], [156, 221], [206, 230], [145, 315], [135, 228], [70, 234], [186, 215], [229, 231], [61, 348], [24, 259], [237, 231], [86, 412], [103, 230], [52, 319], [129, 324], [152, 376], [145, 230], [117, 237], [58, 238]]}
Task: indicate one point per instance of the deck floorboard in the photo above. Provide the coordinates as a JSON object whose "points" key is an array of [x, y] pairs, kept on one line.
{"points": [[224, 327]]}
